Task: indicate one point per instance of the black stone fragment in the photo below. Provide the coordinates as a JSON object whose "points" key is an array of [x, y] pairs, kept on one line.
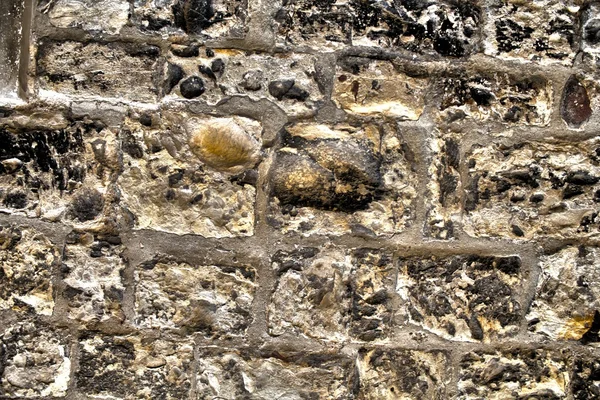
{"points": [[279, 88], [207, 71], [575, 106], [591, 32], [582, 178], [193, 16], [174, 75], [517, 231], [87, 205], [192, 87], [217, 67], [15, 200], [187, 51]]}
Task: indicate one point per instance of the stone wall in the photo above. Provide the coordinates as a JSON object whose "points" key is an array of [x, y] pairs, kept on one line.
{"points": [[301, 199]]}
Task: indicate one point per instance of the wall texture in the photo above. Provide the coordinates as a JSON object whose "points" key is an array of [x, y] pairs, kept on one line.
{"points": [[301, 200]]}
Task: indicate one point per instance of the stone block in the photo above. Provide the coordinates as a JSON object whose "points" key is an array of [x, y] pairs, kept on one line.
{"points": [[134, 368], [533, 190], [288, 80], [96, 69], [235, 374], [402, 374], [513, 100], [470, 297], [191, 174], [332, 294], [515, 374], [378, 89], [92, 271], [34, 361], [103, 16], [568, 296], [342, 178], [203, 19], [65, 174], [436, 27], [27, 261], [543, 31], [213, 300]]}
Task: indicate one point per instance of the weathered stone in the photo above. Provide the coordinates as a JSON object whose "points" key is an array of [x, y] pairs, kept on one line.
{"points": [[402, 374], [586, 379], [472, 297], [65, 174], [92, 270], [517, 374], [11, 12], [213, 300], [590, 29], [376, 88], [132, 368], [333, 179], [332, 294], [541, 30], [445, 28], [499, 97], [27, 260], [288, 80], [546, 189], [444, 190], [204, 18], [235, 374], [568, 295], [173, 75], [108, 70], [170, 183], [103, 16], [575, 103], [34, 362]]}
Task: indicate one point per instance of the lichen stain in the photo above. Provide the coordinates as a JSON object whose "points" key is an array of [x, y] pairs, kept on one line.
{"points": [[576, 327]]}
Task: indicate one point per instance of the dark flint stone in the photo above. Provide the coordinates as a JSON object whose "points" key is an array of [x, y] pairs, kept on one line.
{"points": [[192, 87], [575, 104], [174, 75]]}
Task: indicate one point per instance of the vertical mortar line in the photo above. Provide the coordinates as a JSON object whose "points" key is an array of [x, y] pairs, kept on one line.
{"points": [[532, 260], [72, 393], [26, 26]]}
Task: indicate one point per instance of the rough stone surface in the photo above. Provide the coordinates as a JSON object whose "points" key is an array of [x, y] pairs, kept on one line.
{"points": [[463, 297], [130, 367], [35, 362], [92, 268], [213, 300], [533, 189], [332, 294], [97, 16], [96, 69], [27, 260], [516, 374], [166, 186], [232, 374], [397, 374], [335, 179], [64, 174], [566, 302], [542, 30]]}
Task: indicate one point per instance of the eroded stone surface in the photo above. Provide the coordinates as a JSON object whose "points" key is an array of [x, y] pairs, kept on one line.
{"points": [[402, 374], [517, 374], [34, 362], [590, 28], [96, 69], [444, 190], [586, 379], [288, 80], [568, 294], [11, 12], [332, 294], [500, 97], [338, 179], [235, 374], [207, 19], [463, 297], [98, 16], [27, 259], [378, 89], [166, 186], [92, 271], [132, 368], [442, 27], [540, 30], [213, 300], [65, 174], [533, 189]]}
